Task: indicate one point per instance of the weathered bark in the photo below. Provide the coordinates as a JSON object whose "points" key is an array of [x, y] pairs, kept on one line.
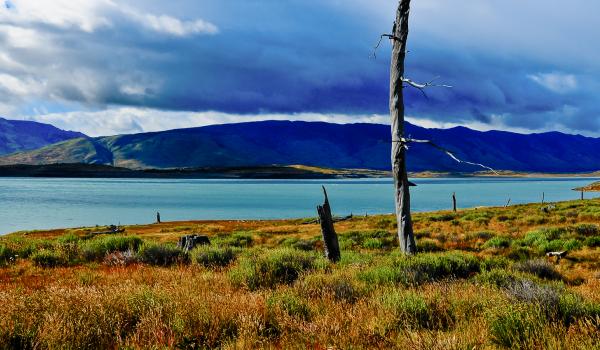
{"points": [[330, 239], [189, 242], [454, 202], [401, 183]]}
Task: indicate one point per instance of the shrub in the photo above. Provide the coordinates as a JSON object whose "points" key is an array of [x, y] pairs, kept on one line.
{"points": [[412, 311], [495, 262], [517, 253], [373, 243], [374, 239], [96, 249], [48, 258], [442, 217], [429, 246], [7, 255], [211, 256], [592, 241], [161, 254], [290, 304], [587, 229], [525, 290], [422, 268], [496, 277], [280, 266], [237, 239], [516, 326], [338, 287], [540, 268], [498, 242], [68, 238]]}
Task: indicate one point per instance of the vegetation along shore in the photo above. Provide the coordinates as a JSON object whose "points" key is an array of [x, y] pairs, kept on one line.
{"points": [[482, 280]]}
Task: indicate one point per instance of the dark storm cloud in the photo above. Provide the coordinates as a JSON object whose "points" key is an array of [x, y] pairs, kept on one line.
{"points": [[520, 65]]}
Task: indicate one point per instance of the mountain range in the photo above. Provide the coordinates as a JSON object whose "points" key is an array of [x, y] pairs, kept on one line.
{"points": [[21, 135], [365, 146]]}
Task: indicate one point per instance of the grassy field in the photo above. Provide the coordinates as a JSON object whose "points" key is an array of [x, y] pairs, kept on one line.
{"points": [[481, 281]]}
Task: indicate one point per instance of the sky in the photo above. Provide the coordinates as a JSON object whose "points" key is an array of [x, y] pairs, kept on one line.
{"points": [[107, 67]]}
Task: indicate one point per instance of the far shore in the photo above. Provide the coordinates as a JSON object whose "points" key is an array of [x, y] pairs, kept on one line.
{"points": [[250, 172]]}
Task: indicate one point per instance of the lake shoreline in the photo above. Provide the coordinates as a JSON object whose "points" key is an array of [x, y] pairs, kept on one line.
{"points": [[271, 172]]}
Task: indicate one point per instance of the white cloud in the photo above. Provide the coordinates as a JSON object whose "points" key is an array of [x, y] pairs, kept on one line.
{"points": [[128, 120], [89, 15], [171, 25], [557, 82]]}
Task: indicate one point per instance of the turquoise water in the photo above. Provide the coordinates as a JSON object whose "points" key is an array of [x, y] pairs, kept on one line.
{"points": [[37, 203]]}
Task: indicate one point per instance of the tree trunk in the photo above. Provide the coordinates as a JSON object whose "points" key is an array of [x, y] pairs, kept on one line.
{"points": [[330, 239], [401, 184]]}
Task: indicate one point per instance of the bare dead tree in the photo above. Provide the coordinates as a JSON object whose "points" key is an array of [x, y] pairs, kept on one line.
{"points": [[399, 38]]}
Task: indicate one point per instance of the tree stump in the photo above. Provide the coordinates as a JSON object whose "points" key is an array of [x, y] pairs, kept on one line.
{"points": [[454, 202], [330, 239], [189, 242]]}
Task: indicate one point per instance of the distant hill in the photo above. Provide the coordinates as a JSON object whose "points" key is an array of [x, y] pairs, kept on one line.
{"points": [[20, 135], [320, 144]]}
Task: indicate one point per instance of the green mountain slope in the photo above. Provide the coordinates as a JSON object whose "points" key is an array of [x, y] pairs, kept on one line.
{"points": [[21, 135]]}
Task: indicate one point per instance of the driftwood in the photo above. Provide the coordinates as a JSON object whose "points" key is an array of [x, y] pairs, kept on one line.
{"points": [[112, 229], [189, 242], [558, 255], [330, 239], [334, 219]]}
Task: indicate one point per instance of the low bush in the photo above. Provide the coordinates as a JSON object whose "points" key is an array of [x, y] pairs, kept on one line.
{"points": [[496, 277], [97, 249], [48, 258], [267, 269], [587, 229], [592, 241], [373, 239], [412, 311], [7, 255], [211, 256], [291, 304], [161, 254], [422, 268], [517, 253], [429, 246], [236, 239], [540, 268], [498, 242], [516, 326], [338, 287]]}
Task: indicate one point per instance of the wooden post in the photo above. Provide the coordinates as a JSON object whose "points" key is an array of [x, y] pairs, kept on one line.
{"points": [[507, 203], [581, 195], [157, 217], [399, 37], [330, 239], [454, 201], [543, 197]]}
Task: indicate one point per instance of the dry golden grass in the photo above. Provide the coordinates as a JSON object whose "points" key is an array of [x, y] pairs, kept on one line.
{"points": [[353, 304]]}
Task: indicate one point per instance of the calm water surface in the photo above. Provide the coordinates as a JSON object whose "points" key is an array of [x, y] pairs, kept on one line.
{"points": [[37, 203]]}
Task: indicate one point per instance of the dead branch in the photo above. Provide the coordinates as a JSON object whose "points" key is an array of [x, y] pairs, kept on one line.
{"points": [[389, 36], [422, 87], [406, 141]]}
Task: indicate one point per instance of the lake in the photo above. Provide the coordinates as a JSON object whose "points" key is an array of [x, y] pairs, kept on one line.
{"points": [[39, 203]]}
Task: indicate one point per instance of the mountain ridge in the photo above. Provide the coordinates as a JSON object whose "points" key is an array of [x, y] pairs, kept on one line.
{"points": [[359, 145], [24, 135]]}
